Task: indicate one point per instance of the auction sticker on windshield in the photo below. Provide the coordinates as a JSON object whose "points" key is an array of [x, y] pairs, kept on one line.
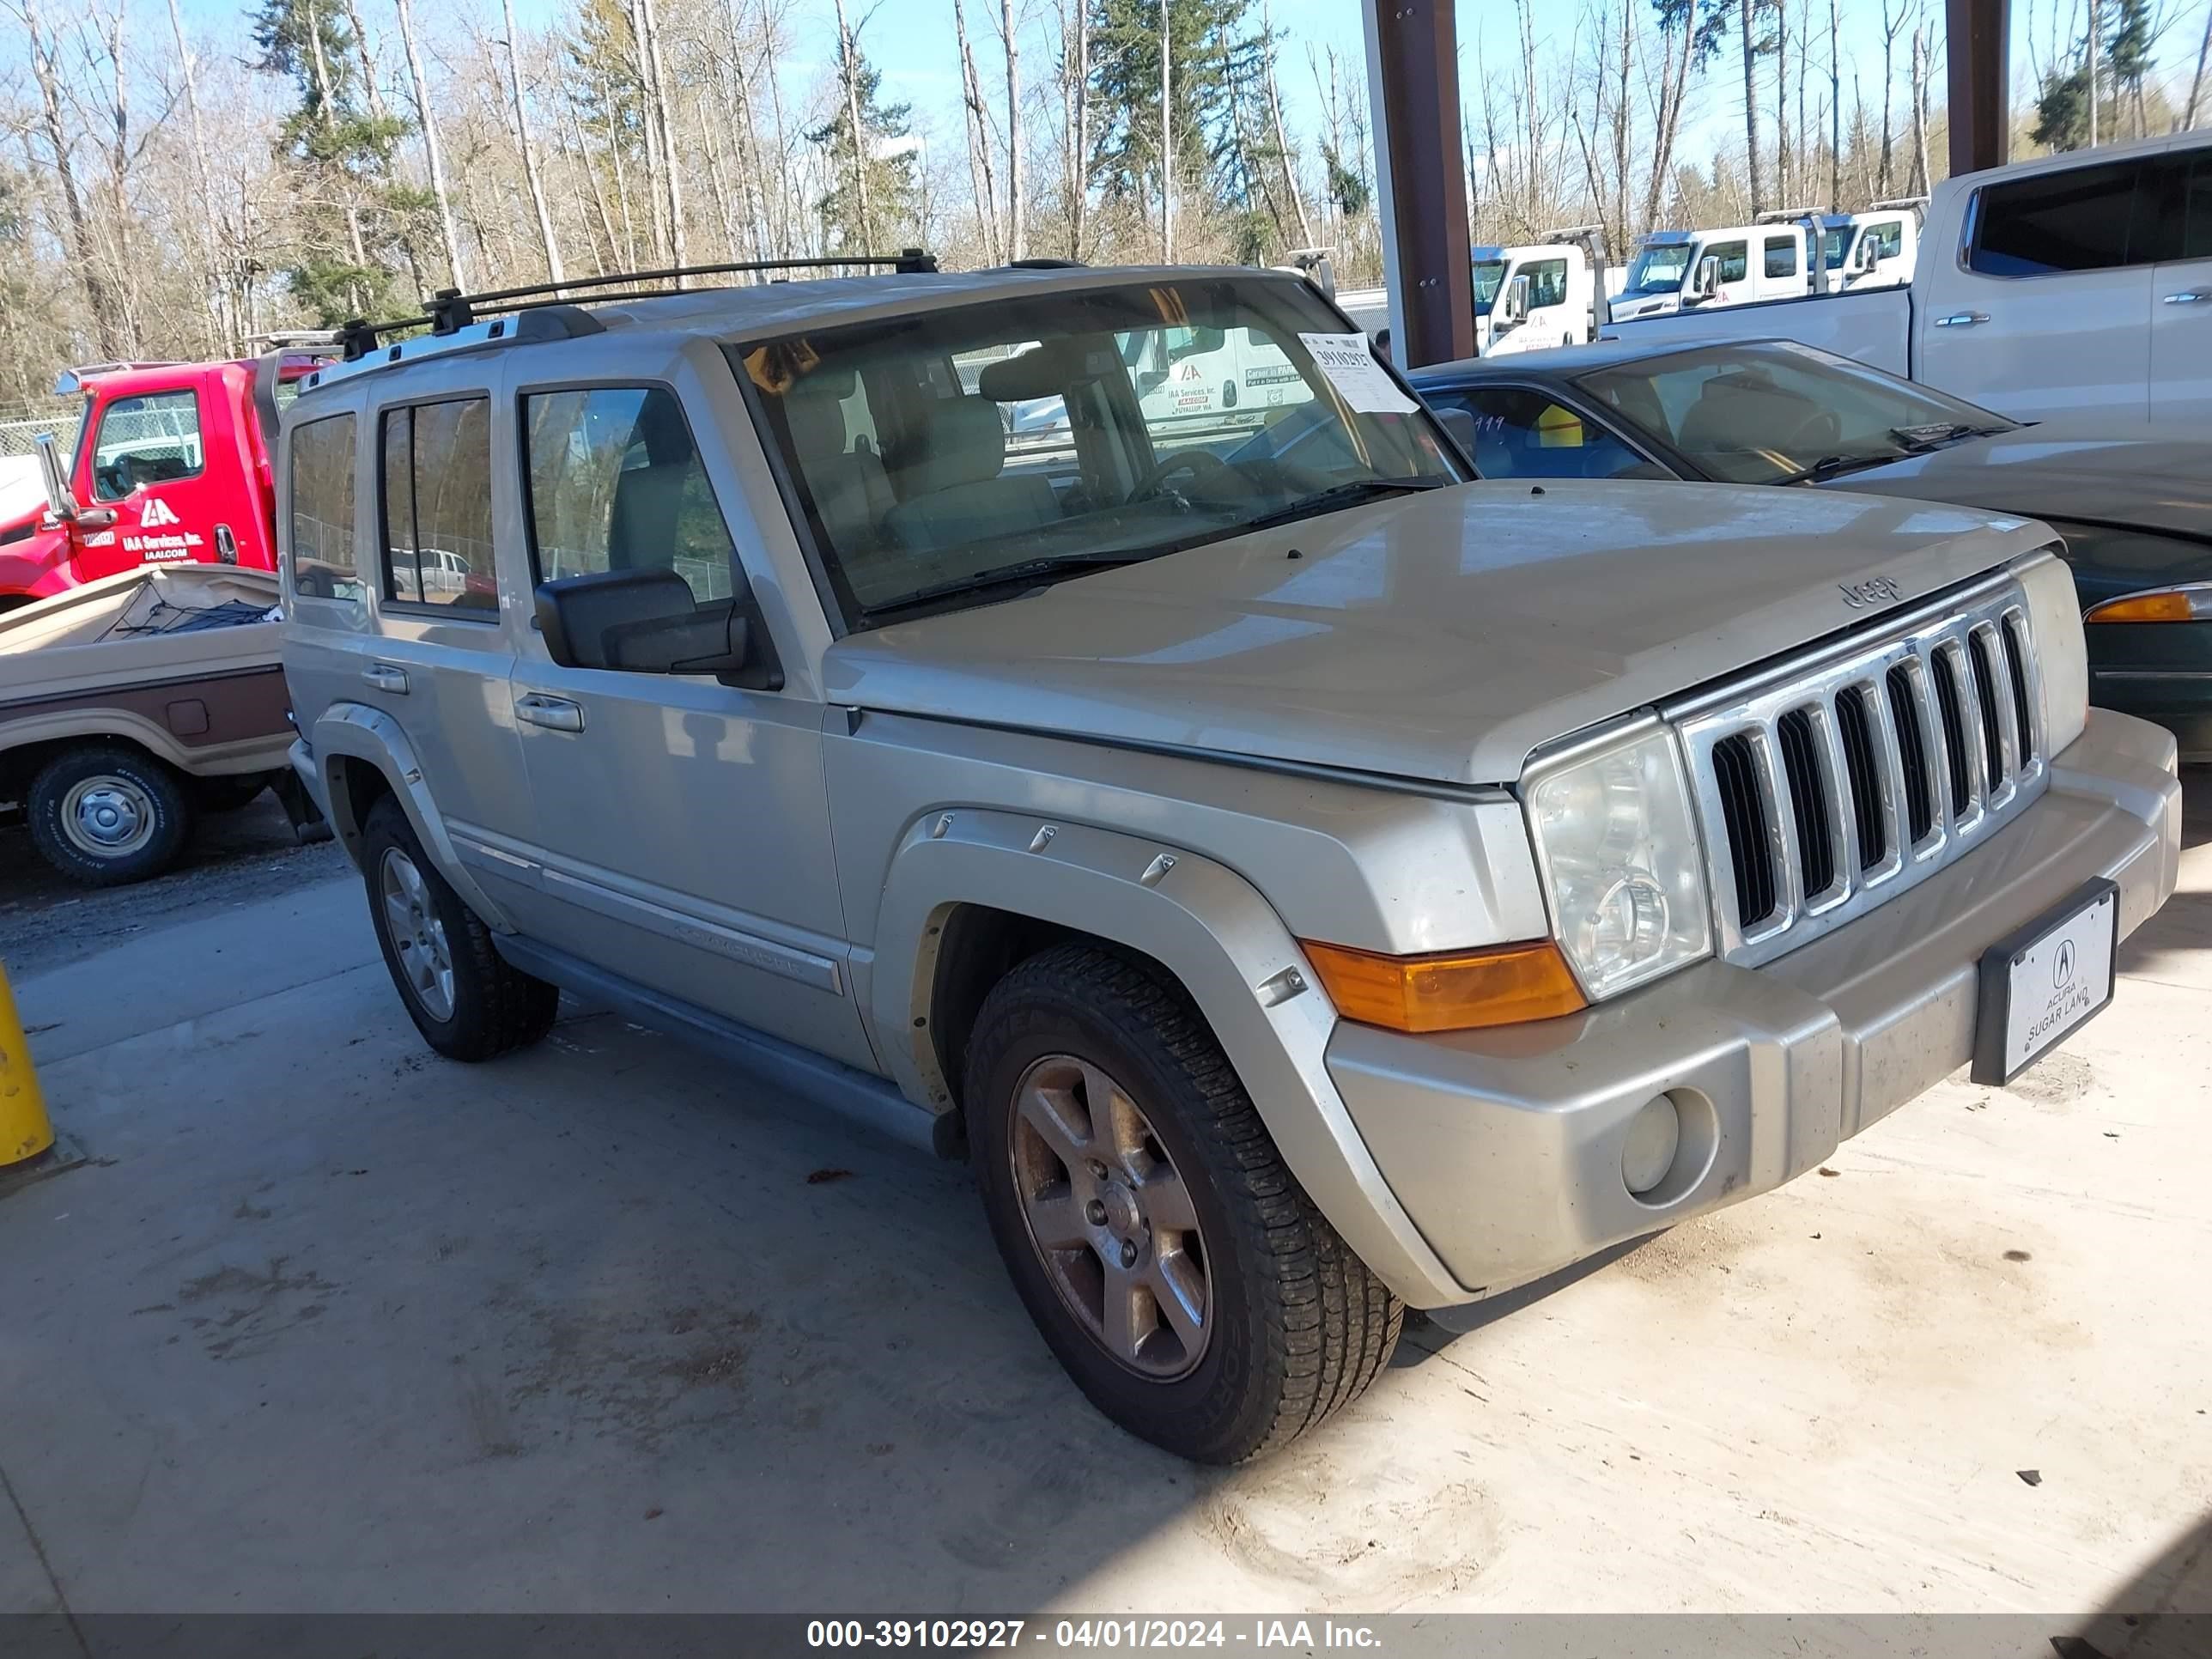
{"points": [[2039, 986], [1349, 361]]}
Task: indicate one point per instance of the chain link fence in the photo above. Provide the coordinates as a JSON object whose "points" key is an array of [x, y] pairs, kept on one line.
{"points": [[20, 426]]}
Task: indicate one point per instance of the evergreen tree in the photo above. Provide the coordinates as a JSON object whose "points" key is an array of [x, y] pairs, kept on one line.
{"points": [[1215, 71], [893, 188], [353, 212]]}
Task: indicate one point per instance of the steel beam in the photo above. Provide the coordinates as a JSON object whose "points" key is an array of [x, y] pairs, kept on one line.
{"points": [[1979, 34], [1413, 80]]}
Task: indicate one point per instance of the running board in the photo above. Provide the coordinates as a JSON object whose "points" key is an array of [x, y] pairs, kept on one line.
{"points": [[851, 1093]]}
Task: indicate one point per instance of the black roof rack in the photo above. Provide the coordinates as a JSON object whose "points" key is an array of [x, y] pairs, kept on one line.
{"points": [[449, 310]]}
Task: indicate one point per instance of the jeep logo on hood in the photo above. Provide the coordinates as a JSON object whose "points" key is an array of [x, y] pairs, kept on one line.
{"points": [[1876, 590]]}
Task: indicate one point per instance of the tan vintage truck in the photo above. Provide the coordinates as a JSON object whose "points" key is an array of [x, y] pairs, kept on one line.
{"points": [[132, 704]]}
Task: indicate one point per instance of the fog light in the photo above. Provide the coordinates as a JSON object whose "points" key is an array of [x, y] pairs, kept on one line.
{"points": [[1654, 1133]]}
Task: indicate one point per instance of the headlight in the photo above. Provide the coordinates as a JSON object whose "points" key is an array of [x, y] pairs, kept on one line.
{"points": [[1617, 843], [2062, 654]]}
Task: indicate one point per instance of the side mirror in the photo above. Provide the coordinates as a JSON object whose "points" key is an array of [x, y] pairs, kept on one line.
{"points": [[640, 622], [1516, 300], [1702, 281], [54, 474], [1460, 423]]}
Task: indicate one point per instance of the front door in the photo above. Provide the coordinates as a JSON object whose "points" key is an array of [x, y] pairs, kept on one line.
{"points": [[683, 824], [2181, 299], [147, 460], [2049, 314]]}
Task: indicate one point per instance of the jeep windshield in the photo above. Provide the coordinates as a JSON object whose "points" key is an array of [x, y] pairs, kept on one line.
{"points": [[947, 457]]}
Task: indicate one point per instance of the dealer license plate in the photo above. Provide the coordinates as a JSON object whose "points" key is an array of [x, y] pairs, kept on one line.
{"points": [[2043, 982]]}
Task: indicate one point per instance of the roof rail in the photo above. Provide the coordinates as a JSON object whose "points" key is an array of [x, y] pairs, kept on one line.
{"points": [[450, 309]]}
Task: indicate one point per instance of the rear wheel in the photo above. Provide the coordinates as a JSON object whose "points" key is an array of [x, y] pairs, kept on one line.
{"points": [[105, 815], [1174, 1265], [466, 999]]}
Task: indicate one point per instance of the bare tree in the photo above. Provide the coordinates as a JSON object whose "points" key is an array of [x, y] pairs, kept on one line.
{"points": [[1282, 139], [1014, 203], [1835, 116], [1750, 98], [434, 156], [672, 169], [979, 138], [1167, 145], [2196, 82]]}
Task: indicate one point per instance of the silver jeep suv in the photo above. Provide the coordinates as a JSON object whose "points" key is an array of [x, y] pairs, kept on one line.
{"points": [[1092, 722]]}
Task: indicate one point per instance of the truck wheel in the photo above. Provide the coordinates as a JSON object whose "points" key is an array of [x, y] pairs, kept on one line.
{"points": [[467, 1001], [1175, 1267], [105, 815]]}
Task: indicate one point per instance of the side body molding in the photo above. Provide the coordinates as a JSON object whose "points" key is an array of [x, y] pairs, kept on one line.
{"points": [[1206, 925], [357, 732]]}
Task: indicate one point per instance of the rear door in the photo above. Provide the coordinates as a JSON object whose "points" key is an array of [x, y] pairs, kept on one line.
{"points": [[2049, 311], [438, 652], [2181, 291], [1781, 265]]}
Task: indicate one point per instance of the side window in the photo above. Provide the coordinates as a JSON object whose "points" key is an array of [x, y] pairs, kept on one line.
{"points": [[2080, 219], [321, 517], [1734, 258], [1888, 240], [1781, 256], [1548, 283], [1522, 434], [151, 439], [437, 505], [615, 484]]}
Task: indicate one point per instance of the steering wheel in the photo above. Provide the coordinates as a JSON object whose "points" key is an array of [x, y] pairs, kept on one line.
{"points": [[1199, 464]]}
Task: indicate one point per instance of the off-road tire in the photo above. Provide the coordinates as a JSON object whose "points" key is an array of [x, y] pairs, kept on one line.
{"points": [[496, 1007], [1298, 1326], [155, 788]]}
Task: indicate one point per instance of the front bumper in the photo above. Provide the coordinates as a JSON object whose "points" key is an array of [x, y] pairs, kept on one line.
{"points": [[1505, 1146]]}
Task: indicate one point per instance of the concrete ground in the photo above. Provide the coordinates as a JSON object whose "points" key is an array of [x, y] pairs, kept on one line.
{"points": [[329, 1324]]}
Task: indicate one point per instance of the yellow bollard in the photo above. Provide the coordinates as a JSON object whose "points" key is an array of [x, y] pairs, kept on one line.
{"points": [[26, 1134]]}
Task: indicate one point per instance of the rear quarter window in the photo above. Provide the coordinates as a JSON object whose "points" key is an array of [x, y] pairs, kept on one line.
{"points": [[321, 515]]}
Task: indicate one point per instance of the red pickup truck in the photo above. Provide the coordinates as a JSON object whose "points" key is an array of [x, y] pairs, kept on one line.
{"points": [[169, 465]]}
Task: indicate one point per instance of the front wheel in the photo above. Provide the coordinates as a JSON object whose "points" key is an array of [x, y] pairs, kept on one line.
{"points": [[464, 998], [1175, 1267]]}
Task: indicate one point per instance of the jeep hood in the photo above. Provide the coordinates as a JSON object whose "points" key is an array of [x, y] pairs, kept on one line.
{"points": [[1440, 636]]}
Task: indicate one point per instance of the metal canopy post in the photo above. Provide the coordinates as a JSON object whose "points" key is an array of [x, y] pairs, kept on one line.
{"points": [[1412, 86], [1979, 36]]}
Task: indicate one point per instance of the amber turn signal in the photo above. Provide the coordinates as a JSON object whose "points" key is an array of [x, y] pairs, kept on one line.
{"points": [[2192, 602], [1449, 990]]}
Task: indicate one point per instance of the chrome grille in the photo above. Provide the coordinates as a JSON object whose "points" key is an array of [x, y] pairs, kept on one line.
{"points": [[1827, 785]]}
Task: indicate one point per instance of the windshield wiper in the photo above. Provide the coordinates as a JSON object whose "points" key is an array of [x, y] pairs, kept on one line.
{"points": [[1028, 570], [1348, 493], [1936, 433], [1834, 467]]}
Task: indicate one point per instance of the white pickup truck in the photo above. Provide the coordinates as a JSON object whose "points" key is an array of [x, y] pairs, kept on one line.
{"points": [[2072, 284]]}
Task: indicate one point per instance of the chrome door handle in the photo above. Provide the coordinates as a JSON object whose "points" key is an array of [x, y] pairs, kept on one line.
{"points": [[554, 713], [2188, 296], [1962, 319], [383, 677]]}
